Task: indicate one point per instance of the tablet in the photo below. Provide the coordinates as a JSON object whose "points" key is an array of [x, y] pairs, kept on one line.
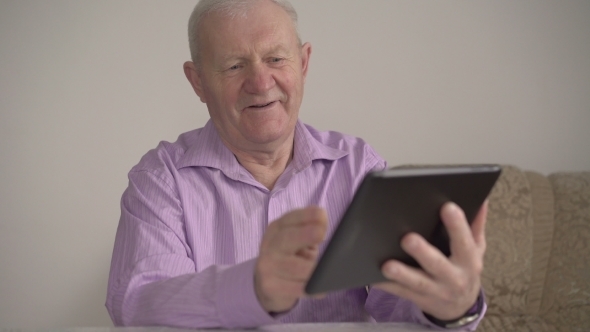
{"points": [[388, 205]]}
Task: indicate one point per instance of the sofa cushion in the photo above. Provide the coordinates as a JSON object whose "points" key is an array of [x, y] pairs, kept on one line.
{"points": [[566, 297], [543, 227], [496, 323], [509, 233]]}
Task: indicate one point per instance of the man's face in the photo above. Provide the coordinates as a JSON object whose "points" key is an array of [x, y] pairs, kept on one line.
{"points": [[251, 75]]}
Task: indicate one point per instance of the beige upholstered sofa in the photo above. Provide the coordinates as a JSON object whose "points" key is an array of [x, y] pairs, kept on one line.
{"points": [[537, 265]]}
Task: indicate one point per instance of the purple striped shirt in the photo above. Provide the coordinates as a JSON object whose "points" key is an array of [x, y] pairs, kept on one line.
{"points": [[192, 219]]}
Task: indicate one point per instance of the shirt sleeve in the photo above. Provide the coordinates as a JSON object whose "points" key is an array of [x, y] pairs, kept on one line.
{"points": [[153, 278]]}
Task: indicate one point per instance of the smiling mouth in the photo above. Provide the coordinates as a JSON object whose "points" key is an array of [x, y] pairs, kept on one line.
{"points": [[262, 105]]}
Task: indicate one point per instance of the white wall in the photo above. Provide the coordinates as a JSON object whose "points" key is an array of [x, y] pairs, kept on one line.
{"points": [[87, 87]]}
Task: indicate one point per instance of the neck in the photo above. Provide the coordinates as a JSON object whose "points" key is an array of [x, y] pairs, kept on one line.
{"points": [[266, 165]]}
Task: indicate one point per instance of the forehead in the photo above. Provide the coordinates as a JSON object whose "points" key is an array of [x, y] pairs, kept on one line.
{"points": [[264, 25]]}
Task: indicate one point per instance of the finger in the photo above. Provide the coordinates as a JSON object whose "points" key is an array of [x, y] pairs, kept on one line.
{"points": [[430, 258], [309, 253], [281, 287], [278, 295], [297, 238], [413, 279], [478, 227], [461, 240], [274, 266], [286, 234], [293, 268]]}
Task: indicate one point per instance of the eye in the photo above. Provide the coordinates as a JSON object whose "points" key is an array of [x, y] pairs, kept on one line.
{"points": [[276, 60], [235, 67]]}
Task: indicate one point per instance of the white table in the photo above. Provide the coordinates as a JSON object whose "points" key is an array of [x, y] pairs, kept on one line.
{"points": [[323, 327]]}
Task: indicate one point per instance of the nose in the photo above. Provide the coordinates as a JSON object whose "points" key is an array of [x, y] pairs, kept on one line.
{"points": [[259, 79]]}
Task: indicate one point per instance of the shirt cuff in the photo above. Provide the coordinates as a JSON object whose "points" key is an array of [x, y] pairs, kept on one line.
{"points": [[237, 304], [419, 315]]}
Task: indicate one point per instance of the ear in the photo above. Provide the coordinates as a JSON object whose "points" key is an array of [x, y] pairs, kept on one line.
{"points": [[305, 55], [194, 77]]}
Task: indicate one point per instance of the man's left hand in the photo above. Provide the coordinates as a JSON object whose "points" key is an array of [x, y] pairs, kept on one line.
{"points": [[446, 287]]}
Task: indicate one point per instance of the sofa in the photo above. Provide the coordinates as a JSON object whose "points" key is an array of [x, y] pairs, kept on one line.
{"points": [[537, 265]]}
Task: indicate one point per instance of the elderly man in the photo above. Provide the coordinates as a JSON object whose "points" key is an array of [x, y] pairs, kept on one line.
{"points": [[223, 227]]}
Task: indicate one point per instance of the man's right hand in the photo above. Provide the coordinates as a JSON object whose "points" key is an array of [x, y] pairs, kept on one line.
{"points": [[288, 255]]}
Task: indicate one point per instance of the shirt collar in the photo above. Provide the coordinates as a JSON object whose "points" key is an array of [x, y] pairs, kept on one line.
{"points": [[208, 150], [309, 148]]}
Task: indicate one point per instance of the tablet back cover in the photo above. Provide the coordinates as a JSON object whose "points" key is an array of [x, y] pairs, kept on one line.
{"points": [[384, 209]]}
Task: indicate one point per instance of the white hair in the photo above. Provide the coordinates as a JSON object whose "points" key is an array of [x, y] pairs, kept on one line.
{"points": [[231, 8]]}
